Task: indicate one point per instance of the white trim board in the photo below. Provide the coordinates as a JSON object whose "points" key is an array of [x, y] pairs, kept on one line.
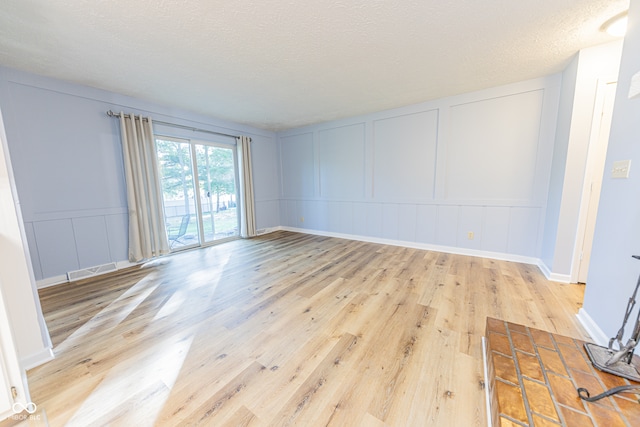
{"points": [[592, 328], [58, 280], [554, 277], [425, 246], [37, 359], [486, 382]]}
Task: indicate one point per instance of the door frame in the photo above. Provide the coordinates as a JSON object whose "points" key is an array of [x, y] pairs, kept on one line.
{"points": [[594, 170], [196, 183]]}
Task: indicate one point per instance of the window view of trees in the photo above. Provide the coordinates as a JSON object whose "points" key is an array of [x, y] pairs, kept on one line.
{"points": [[215, 169]]}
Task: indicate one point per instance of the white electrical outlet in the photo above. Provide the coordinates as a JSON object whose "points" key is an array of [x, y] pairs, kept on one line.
{"points": [[470, 235], [621, 169]]}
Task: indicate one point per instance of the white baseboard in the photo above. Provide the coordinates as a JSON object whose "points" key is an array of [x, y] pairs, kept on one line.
{"points": [[424, 246], [267, 230], [554, 277], [57, 280], [597, 335], [37, 359], [51, 281]]}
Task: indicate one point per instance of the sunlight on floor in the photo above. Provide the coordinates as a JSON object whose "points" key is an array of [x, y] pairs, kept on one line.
{"points": [[111, 316], [134, 380]]}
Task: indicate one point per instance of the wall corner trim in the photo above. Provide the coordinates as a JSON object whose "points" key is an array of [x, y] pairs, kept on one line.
{"points": [[592, 328], [554, 277], [37, 359]]}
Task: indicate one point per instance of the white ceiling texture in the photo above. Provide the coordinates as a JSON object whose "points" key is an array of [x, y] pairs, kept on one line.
{"points": [[278, 64]]}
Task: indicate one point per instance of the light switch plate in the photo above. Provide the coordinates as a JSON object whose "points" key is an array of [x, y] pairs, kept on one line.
{"points": [[621, 169]]}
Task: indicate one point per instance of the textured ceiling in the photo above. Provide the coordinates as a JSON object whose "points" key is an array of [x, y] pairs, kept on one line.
{"points": [[277, 64]]}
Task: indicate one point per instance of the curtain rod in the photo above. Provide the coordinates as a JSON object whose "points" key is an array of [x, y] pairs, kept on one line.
{"points": [[112, 114]]}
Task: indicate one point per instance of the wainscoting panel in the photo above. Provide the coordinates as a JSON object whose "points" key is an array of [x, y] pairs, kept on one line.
{"points": [[470, 221], [117, 229], [407, 222], [56, 247], [495, 236], [492, 149], [297, 165], [92, 243], [341, 159], [405, 156]]}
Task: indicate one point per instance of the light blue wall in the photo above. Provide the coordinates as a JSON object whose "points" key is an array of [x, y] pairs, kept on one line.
{"points": [[612, 272], [430, 173], [66, 157], [558, 166]]}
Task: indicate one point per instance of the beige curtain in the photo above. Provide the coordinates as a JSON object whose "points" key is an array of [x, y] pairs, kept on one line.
{"points": [[247, 206], [147, 233]]}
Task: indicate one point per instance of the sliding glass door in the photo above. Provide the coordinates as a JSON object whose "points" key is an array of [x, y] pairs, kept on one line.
{"points": [[199, 191], [217, 182]]}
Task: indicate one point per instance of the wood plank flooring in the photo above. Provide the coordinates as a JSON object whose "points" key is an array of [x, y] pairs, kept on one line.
{"points": [[287, 329]]}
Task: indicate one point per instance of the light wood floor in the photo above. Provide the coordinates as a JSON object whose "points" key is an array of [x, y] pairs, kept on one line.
{"points": [[288, 329]]}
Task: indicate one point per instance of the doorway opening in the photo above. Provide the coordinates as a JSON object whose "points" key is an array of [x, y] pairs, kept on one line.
{"points": [[596, 156]]}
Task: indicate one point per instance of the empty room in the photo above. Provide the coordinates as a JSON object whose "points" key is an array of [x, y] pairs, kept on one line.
{"points": [[340, 213]]}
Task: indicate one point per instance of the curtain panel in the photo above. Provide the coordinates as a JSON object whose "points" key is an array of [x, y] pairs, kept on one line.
{"points": [[147, 233], [247, 205]]}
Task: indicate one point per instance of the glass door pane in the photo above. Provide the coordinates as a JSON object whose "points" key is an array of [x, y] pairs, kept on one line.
{"points": [[178, 193], [217, 181]]}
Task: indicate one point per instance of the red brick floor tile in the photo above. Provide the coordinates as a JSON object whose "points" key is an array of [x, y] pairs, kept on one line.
{"points": [[575, 419], [529, 366], [539, 399], [522, 342], [574, 358], [495, 325], [499, 343], [505, 368], [552, 362], [606, 416], [542, 338], [565, 392], [511, 402]]}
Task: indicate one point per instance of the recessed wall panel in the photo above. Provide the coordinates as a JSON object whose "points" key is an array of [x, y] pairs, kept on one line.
{"points": [[341, 152], [359, 212], [374, 219], [404, 152], [91, 240], [523, 231], [346, 218], [117, 230], [495, 229], [492, 148], [296, 153], [470, 221], [56, 247], [407, 215], [390, 221], [264, 154], [426, 224], [447, 225]]}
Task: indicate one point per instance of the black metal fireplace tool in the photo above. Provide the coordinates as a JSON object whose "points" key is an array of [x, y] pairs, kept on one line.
{"points": [[617, 362]]}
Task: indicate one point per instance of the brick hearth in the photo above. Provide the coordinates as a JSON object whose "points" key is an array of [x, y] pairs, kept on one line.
{"points": [[533, 376]]}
